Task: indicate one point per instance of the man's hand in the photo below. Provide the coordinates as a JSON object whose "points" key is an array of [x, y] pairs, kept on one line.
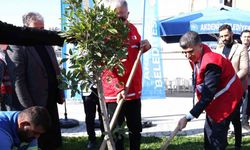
{"points": [[120, 95], [145, 45], [182, 123]]}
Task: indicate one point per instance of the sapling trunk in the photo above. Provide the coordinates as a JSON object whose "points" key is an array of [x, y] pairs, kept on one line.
{"points": [[105, 117]]}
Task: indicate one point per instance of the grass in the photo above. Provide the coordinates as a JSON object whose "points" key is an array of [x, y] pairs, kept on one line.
{"points": [[154, 143]]}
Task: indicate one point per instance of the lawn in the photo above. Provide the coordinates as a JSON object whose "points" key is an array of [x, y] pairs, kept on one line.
{"points": [[154, 143]]}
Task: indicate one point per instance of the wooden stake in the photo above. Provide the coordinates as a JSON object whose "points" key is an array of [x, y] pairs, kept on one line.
{"points": [[105, 117], [120, 103]]}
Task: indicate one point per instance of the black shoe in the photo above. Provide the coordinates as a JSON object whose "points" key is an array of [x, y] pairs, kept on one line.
{"points": [[91, 144], [147, 124]]}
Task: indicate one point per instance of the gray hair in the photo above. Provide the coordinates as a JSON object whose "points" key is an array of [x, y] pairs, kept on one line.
{"points": [[119, 3], [31, 17], [190, 38]]}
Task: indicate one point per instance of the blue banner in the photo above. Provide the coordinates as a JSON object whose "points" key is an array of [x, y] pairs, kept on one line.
{"points": [[153, 83]]}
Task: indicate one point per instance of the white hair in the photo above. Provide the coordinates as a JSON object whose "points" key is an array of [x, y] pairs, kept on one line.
{"points": [[119, 3], [31, 17]]}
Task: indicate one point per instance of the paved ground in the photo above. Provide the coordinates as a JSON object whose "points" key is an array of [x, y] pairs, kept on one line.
{"points": [[164, 114]]}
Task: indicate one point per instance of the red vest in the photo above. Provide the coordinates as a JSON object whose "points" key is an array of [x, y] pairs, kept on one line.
{"points": [[229, 91], [111, 81]]}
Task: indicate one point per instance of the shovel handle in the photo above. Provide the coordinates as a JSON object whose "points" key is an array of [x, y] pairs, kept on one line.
{"points": [[132, 73], [120, 103], [172, 135]]}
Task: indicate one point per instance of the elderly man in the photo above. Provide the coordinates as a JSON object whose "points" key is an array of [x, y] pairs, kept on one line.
{"points": [[36, 81], [218, 88], [20, 130], [131, 109]]}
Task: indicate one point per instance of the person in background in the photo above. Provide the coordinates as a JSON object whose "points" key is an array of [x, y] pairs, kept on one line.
{"points": [[7, 95], [20, 130], [238, 56], [36, 83], [218, 88], [91, 105], [131, 109], [245, 40]]}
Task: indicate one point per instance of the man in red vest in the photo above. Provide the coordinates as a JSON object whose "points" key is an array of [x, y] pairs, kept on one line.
{"points": [[218, 88], [113, 89]]}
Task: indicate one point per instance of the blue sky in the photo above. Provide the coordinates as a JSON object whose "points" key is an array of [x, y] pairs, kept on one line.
{"points": [[11, 11]]}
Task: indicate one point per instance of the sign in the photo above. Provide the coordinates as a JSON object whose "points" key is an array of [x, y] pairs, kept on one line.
{"points": [[206, 28], [153, 85]]}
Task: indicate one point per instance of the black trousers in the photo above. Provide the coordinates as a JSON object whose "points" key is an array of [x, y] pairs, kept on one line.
{"points": [[91, 104], [248, 102], [237, 126], [52, 139], [131, 111], [215, 134], [246, 106]]}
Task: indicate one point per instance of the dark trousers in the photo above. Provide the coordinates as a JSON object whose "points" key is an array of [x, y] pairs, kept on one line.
{"points": [[90, 103], [246, 108], [215, 134], [248, 102], [237, 126], [131, 110], [6, 102], [51, 139]]}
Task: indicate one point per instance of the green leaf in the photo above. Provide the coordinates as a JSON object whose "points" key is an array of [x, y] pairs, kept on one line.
{"points": [[73, 93], [74, 66], [63, 86], [121, 70], [99, 54], [113, 31], [63, 60], [70, 52]]}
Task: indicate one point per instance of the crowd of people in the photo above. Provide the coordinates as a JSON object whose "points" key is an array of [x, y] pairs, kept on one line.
{"points": [[30, 93]]}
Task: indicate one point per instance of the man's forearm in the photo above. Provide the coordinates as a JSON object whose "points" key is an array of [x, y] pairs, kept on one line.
{"points": [[10, 34], [209, 87]]}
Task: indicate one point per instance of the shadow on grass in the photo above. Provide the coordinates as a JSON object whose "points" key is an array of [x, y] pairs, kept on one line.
{"points": [[154, 143], [80, 128], [181, 133], [74, 143]]}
